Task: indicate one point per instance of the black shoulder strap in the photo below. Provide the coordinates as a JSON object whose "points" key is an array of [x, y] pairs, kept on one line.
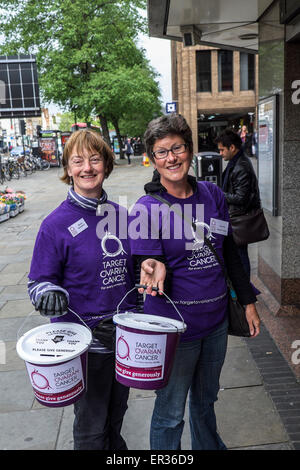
{"points": [[206, 240], [164, 201]]}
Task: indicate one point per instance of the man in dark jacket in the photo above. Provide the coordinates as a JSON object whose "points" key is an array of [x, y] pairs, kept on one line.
{"points": [[239, 182]]}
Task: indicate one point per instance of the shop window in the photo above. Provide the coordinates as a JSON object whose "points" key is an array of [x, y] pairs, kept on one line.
{"points": [[225, 70], [203, 70], [247, 71]]}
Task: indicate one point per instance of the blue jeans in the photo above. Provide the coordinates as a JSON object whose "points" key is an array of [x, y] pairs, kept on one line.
{"points": [[196, 369]]}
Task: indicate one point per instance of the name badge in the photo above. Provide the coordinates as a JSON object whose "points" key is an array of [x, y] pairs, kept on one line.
{"points": [[219, 226], [78, 227]]}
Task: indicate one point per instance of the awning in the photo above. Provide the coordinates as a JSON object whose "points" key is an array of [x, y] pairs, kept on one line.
{"points": [[230, 24]]}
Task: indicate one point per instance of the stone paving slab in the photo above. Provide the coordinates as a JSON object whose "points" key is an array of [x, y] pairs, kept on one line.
{"points": [[247, 417], [10, 279], [30, 430], [16, 267], [65, 440], [136, 425], [9, 327], [279, 446], [17, 308], [13, 361], [24, 280], [10, 250], [16, 391], [17, 292], [239, 369]]}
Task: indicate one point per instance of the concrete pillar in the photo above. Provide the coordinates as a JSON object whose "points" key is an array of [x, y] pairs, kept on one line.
{"points": [[279, 256]]}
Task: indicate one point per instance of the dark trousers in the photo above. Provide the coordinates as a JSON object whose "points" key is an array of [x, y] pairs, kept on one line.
{"points": [[128, 158], [99, 412]]}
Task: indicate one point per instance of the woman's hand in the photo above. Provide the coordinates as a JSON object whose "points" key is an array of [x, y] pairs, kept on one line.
{"points": [[153, 274], [253, 320]]}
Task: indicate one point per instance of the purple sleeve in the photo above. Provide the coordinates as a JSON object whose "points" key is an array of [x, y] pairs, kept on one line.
{"points": [[47, 259]]}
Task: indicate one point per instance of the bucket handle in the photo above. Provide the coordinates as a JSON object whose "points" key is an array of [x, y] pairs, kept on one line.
{"points": [[25, 321], [139, 286], [76, 314]]}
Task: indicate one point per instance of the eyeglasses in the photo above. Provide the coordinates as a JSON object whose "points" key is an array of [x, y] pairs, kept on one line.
{"points": [[175, 149], [79, 161]]}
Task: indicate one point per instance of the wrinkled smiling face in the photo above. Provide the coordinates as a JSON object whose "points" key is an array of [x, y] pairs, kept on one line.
{"points": [[88, 172], [173, 168]]}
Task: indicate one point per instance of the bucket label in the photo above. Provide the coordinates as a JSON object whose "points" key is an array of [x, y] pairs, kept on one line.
{"points": [[140, 356], [58, 383]]}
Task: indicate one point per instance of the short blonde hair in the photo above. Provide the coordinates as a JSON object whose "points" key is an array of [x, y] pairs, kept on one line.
{"points": [[86, 139]]}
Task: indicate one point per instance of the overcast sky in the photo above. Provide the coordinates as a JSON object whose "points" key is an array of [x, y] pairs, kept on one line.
{"points": [[159, 53]]}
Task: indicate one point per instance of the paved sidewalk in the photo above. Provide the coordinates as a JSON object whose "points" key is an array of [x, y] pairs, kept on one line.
{"points": [[249, 417]]}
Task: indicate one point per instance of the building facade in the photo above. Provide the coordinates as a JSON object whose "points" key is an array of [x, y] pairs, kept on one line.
{"points": [[214, 88], [271, 29]]}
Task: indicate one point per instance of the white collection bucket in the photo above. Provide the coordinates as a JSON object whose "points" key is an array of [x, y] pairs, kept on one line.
{"points": [[56, 360], [145, 348]]}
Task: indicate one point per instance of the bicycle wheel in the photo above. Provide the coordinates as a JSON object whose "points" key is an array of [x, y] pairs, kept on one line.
{"points": [[45, 165], [14, 172], [28, 167], [7, 174], [22, 169]]}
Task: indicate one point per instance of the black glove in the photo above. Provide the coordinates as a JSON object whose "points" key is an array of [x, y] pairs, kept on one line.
{"points": [[52, 304]]}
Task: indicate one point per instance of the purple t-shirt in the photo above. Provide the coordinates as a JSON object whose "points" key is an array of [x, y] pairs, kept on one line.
{"points": [[74, 251], [198, 284]]}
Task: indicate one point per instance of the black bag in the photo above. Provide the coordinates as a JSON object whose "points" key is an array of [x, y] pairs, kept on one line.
{"points": [[105, 332], [237, 322], [249, 228]]}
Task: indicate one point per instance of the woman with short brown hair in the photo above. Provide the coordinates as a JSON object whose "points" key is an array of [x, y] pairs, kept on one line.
{"points": [[69, 272]]}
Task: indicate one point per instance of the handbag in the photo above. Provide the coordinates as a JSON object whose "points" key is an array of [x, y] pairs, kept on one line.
{"points": [[249, 228], [237, 322]]}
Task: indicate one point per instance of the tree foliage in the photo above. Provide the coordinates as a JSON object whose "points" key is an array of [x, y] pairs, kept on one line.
{"points": [[86, 54]]}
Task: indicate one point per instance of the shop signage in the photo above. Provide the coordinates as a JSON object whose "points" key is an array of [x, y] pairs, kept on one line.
{"points": [[19, 90]]}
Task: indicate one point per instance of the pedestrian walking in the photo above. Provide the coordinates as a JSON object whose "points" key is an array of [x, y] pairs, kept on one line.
{"points": [[185, 267], [71, 268], [246, 139], [240, 184], [128, 150]]}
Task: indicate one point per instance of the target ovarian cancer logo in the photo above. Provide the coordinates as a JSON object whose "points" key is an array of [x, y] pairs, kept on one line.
{"points": [[140, 357], [114, 262], [57, 383]]}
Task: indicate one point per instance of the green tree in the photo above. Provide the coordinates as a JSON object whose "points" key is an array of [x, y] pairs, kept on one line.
{"points": [[126, 95], [73, 40]]}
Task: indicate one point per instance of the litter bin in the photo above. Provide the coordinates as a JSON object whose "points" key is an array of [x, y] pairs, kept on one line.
{"points": [[208, 167]]}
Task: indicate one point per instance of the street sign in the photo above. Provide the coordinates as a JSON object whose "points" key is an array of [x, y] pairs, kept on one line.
{"points": [[171, 107], [19, 90]]}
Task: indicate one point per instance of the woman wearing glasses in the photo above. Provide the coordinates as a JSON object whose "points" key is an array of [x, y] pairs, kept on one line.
{"points": [[71, 268], [196, 283]]}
